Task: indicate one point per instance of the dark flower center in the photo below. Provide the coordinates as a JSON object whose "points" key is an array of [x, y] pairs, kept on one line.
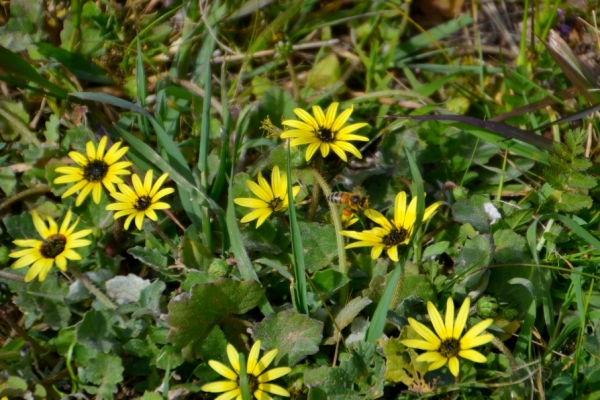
{"points": [[274, 203], [252, 383], [53, 246], [395, 237], [142, 203], [449, 348], [326, 135], [95, 171]]}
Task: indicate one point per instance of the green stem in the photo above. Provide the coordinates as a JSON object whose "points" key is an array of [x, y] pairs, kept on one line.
{"points": [[164, 236], [38, 190], [244, 379], [316, 194], [294, 76], [89, 285]]}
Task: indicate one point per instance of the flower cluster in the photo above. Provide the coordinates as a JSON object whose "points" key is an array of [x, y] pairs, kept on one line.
{"points": [[391, 233], [94, 170]]}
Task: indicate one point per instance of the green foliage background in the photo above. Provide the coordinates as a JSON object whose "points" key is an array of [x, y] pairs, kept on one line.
{"points": [[188, 85]]}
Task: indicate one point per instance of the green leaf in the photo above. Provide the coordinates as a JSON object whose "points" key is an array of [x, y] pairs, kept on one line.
{"points": [[580, 164], [193, 315], [15, 65], [572, 202], [105, 371], [580, 180], [510, 247], [44, 300], [21, 227], [149, 299], [94, 331], [82, 67], [436, 249], [125, 289], [476, 254], [8, 183], [472, 212], [296, 336], [150, 257], [22, 24], [169, 358], [347, 314], [329, 281], [319, 244]]}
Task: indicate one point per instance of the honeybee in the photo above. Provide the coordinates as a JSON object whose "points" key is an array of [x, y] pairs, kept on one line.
{"points": [[354, 201]]}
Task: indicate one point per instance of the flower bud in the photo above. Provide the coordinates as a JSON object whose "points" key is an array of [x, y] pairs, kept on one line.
{"points": [[487, 307]]}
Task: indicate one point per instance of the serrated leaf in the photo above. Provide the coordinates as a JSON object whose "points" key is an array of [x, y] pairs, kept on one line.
{"points": [[518, 218], [105, 371], [193, 315], [296, 336], [51, 133], [580, 164], [580, 180], [151, 257], [572, 202]]}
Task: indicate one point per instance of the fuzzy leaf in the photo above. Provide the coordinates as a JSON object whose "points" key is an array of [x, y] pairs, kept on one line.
{"points": [[319, 245], [472, 212], [193, 315], [152, 257], [105, 371], [327, 282], [296, 336], [126, 289], [572, 202], [94, 331], [580, 180]]}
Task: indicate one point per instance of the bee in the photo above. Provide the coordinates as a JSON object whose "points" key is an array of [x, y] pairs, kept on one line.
{"points": [[353, 201]]}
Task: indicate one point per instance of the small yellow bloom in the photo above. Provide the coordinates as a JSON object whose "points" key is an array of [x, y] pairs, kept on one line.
{"points": [[140, 201], [324, 132], [257, 381], [392, 233], [57, 246], [447, 345], [273, 198], [94, 170], [348, 218]]}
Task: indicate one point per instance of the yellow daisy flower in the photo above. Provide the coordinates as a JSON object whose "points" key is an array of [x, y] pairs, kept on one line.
{"points": [[271, 199], [392, 233], [257, 381], [324, 132], [447, 345], [94, 170], [348, 218], [140, 201], [57, 246]]}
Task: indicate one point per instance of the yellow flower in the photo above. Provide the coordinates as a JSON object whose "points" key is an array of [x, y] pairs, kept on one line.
{"points": [[348, 218], [140, 201], [392, 233], [57, 246], [324, 131], [257, 383], [271, 199], [447, 345], [94, 170]]}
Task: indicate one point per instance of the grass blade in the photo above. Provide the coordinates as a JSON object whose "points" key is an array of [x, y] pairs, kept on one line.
{"points": [[15, 65], [297, 248]]}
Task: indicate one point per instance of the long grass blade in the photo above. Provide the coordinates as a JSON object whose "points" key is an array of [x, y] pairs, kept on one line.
{"points": [[297, 248]]}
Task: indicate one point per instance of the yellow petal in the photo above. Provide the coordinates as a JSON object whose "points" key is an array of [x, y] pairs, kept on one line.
{"points": [[461, 318], [450, 317], [454, 366], [253, 357], [264, 362], [275, 389], [342, 118], [419, 344], [223, 370], [319, 115], [306, 117], [473, 355], [474, 331], [400, 208], [234, 357], [424, 332], [219, 386], [274, 374], [330, 118], [312, 149], [436, 321], [392, 253]]}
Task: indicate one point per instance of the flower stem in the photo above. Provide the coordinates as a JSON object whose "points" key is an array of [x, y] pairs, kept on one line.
{"points": [[89, 285], [316, 194], [38, 190], [164, 236], [294, 76], [244, 379]]}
